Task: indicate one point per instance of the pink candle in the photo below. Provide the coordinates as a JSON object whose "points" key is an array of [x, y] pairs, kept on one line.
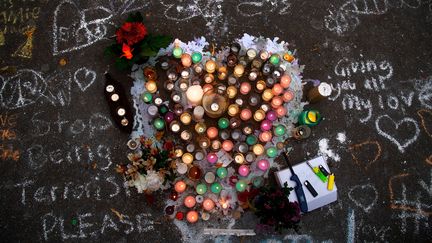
{"points": [[243, 170], [227, 145], [277, 89], [266, 125], [212, 158], [288, 96], [245, 88], [245, 114], [192, 216], [207, 87], [263, 164], [180, 186], [189, 201], [212, 132], [208, 204], [281, 111], [285, 81], [271, 115], [265, 136]]}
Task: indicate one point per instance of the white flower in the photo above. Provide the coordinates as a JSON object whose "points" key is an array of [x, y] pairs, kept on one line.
{"points": [[140, 183], [154, 180]]}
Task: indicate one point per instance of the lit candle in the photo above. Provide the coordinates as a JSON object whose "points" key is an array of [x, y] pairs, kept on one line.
{"points": [[194, 95], [186, 60], [223, 123], [245, 88], [185, 135], [259, 115], [260, 86], [209, 177], [263, 164], [201, 189], [212, 132], [198, 112], [173, 196], [285, 81], [207, 87], [189, 201], [251, 140], [196, 57], [178, 152], [266, 125], [182, 168], [216, 187], [243, 170], [245, 114], [279, 130], [187, 158], [169, 117], [281, 111], [258, 149], [216, 145], [185, 118], [152, 110], [271, 115], [276, 102], [265, 136], [241, 185], [205, 216], [227, 145], [232, 92], [212, 158], [210, 66], [150, 73], [208, 78], [274, 59], [222, 73], [177, 52], [277, 89], [251, 53], [204, 142], [175, 126], [180, 186], [288, 96], [222, 172], [199, 155], [195, 173], [239, 158], [267, 95], [238, 70], [271, 152], [147, 97], [200, 127], [159, 124], [233, 109], [208, 204], [151, 86], [192, 217]]}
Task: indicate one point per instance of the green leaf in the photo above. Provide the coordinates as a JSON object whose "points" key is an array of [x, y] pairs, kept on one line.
{"points": [[135, 17], [121, 64], [159, 41], [148, 52]]}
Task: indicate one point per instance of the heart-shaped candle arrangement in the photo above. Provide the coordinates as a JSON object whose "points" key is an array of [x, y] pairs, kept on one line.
{"points": [[229, 113]]}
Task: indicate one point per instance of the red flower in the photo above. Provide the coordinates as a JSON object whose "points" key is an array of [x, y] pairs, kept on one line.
{"points": [[131, 33], [127, 52]]}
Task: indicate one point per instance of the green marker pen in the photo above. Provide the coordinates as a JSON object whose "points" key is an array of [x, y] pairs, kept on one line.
{"points": [[318, 172]]}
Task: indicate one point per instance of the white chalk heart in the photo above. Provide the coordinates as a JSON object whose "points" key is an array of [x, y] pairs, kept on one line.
{"points": [[406, 120], [361, 195], [84, 78]]}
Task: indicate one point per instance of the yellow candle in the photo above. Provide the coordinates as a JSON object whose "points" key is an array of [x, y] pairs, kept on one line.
{"points": [[259, 115], [233, 109], [187, 158], [258, 149], [222, 73], [238, 70], [151, 86], [231, 91], [186, 118], [260, 85], [200, 127], [267, 95], [210, 66]]}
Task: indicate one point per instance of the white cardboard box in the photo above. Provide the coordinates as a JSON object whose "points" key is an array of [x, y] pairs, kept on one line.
{"points": [[304, 172]]}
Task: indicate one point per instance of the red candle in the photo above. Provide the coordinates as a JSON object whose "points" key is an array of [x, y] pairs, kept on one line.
{"points": [[212, 132], [189, 201], [192, 216], [180, 186]]}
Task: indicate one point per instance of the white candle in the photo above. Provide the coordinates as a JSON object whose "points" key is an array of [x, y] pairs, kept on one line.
{"points": [[198, 112], [182, 168], [194, 94]]}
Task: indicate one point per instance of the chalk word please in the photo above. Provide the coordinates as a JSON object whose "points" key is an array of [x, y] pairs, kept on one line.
{"points": [[90, 225]]}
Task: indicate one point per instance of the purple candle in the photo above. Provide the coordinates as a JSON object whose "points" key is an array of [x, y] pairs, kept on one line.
{"points": [[263, 164], [243, 170], [169, 117], [271, 115], [266, 125], [212, 158]]}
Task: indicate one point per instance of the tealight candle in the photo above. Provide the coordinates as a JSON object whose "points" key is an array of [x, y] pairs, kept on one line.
{"points": [[225, 134], [259, 115], [223, 123], [271, 152], [281, 111], [247, 129], [201, 189], [194, 173], [279, 130], [288, 96], [216, 187], [173, 196], [274, 59], [233, 109], [205, 216], [200, 127], [207, 87], [260, 86], [187, 158], [196, 57], [245, 114], [198, 112], [239, 158], [277, 89], [147, 97], [250, 157], [265, 136], [245, 88], [151, 86], [178, 152], [241, 185], [210, 66], [276, 102], [180, 186], [186, 60], [182, 168], [263, 164], [222, 172], [159, 124], [204, 142], [208, 78], [258, 149], [177, 52], [194, 95], [267, 95], [271, 115], [199, 155], [222, 73], [178, 109], [212, 132], [198, 68], [285, 81], [238, 70], [266, 125], [175, 126], [209, 177], [185, 118], [190, 147], [251, 53], [208, 204], [185, 135], [216, 145], [227, 145], [232, 92], [243, 170], [192, 217], [152, 110], [212, 158], [264, 55]]}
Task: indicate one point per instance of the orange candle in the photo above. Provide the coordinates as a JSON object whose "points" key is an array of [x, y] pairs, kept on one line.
{"points": [[208, 204], [187, 158], [192, 216], [260, 85], [186, 60], [276, 102], [151, 86], [233, 109], [285, 81], [210, 66], [180, 186], [212, 132], [245, 114], [277, 89], [227, 145], [189, 201], [265, 136], [288, 96], [267, 95], [281, 111]]}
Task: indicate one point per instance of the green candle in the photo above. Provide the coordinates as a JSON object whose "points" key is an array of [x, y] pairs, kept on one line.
{"points": [[159, 123], [201, 188], [241, 185], [196, 57], [251, 140], [310, 118], [223, 123], [147, 97], [177, 52], [216, 187], [271, 152], [222, 172], [279, 130], [275, 59]]}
